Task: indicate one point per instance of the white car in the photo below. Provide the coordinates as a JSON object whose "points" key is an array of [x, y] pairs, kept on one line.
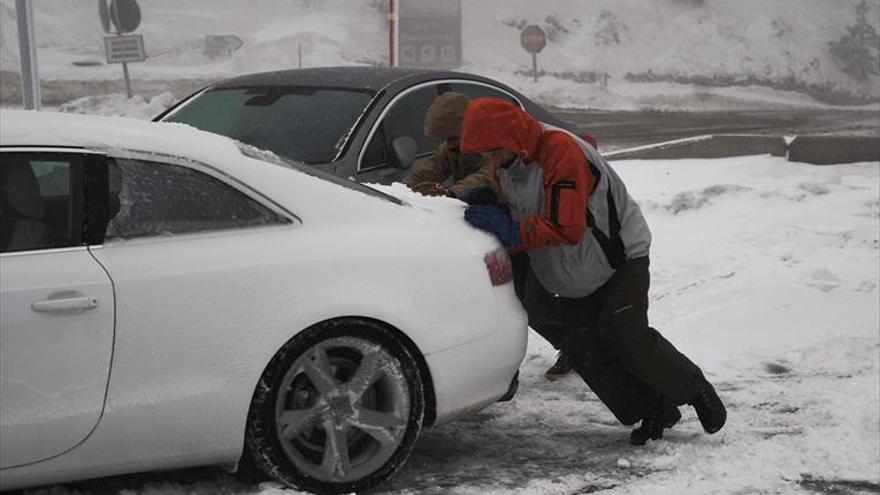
{"points": [[172, 298]]}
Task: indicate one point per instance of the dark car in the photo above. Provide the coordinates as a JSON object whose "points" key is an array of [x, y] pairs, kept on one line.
{"points": [[360, 122]]}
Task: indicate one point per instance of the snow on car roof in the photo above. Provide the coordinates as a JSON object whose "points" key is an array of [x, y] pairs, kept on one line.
{"points": [[30, 128], [257, 168], [373, 78]]}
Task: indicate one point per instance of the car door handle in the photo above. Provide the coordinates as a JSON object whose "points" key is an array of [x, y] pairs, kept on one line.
{"points": [[69, 304]]}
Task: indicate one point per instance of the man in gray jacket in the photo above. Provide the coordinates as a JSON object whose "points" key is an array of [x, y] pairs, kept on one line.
{"points": [[588, 245]]}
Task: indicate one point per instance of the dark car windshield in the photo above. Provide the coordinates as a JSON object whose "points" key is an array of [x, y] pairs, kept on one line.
{"points": [[301, 123]]}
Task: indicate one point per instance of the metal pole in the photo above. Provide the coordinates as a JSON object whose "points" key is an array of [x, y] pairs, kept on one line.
{"points": [[127, 81], [115, 13], [392, 33], [30, 79], [299, 50], [535, 66]]}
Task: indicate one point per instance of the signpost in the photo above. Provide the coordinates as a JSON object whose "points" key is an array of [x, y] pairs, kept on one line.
{"points": [[429, 33], [125, 15], [221, 45], [124, 49], [534, 40]]}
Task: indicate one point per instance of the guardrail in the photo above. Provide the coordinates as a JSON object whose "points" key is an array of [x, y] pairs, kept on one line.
{"points": [[819, 150]]}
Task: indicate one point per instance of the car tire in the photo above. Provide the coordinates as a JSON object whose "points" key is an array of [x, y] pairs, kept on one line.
{"points": [[337, 410]]}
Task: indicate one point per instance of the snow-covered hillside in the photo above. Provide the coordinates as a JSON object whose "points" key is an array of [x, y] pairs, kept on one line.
{"points": [[782, 43], [828, 49]]}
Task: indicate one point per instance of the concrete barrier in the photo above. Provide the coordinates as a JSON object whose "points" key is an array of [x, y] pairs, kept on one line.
{"points": [[828, 150], [819, 150], [710, 146]]}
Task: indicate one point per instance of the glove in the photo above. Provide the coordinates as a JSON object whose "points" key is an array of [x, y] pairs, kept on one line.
{"points": [[432, 189], [495, 220], [480, 196]]}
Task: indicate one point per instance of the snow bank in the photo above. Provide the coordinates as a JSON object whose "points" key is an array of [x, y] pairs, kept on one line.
{"points": [[664, 54], [120, 105]]}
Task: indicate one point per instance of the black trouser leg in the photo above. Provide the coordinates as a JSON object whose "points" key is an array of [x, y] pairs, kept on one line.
{"points": [[623, 325], [628, 398], [542, 307]]}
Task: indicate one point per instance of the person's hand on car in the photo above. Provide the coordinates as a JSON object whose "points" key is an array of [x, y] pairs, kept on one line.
{"points": [[432, 189], [495, 220]]}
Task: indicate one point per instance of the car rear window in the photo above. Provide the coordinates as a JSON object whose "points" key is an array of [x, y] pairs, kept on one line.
{"points": [[301, 123]]}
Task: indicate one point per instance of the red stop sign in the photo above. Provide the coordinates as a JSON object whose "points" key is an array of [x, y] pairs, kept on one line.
{"points": [[532, 38]]}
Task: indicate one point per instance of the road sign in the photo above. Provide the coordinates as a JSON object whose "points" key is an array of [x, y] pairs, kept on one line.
{"points": [[123, 49], [532, 38], [104, 14], [221, 45], [430, 33], [125, 15]]}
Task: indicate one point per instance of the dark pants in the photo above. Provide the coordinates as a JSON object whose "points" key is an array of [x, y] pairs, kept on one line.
{"points": [[624, 361], [543, 308]]}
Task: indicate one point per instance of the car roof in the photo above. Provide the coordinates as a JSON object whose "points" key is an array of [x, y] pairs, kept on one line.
{"points": [[163, 141], [54, 129], [361, 77], [368, 78], [122, 136]]}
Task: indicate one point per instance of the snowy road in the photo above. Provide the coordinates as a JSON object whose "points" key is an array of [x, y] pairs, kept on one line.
{"points": [[620, 129], [766, 274]]}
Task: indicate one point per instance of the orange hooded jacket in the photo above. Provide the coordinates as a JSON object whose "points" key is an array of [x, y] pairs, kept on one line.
{"points": [[491, 123]]}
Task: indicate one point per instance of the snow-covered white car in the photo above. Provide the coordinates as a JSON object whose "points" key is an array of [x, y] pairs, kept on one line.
{"points": [[173, 298]]}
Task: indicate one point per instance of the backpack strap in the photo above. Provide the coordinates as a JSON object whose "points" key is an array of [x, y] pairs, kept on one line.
{"points": [[612, 245]]}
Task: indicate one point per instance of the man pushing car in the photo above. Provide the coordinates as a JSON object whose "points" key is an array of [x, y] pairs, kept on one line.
{"points": [[588, 245]]}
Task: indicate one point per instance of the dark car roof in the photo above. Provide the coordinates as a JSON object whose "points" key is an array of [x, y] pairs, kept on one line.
{"points": [[373, 78]]}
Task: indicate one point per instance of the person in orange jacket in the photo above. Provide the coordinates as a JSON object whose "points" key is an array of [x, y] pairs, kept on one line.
{"points": [[588, 245]]}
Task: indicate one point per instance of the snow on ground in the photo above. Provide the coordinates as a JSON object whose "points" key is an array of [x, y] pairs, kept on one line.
{"points": [[766, 274], [120, 105]]}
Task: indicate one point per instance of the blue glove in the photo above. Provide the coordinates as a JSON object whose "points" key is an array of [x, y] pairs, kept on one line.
{"points": [[480, 196], [495, 220]]}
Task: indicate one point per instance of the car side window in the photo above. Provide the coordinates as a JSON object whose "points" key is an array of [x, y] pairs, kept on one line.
{"points": [[474, 91], [405, 118], [40, 201], [150, 199]]}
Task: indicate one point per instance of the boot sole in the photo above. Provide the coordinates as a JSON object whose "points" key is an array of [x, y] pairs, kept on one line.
{"points": [[714, 429]]}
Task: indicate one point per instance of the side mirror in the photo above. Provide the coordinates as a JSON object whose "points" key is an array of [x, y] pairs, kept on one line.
{"points": [[403, 152]]}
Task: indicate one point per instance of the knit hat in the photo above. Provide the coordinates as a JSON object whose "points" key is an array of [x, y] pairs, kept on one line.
{"points": [[444, 116]]}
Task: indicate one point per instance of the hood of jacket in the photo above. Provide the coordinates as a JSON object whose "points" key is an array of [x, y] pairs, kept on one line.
{"points": [[491, 123]]}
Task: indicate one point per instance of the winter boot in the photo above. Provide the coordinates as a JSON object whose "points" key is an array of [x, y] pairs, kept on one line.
{"points": [[560, 367], [664, 415], [709, 408]]}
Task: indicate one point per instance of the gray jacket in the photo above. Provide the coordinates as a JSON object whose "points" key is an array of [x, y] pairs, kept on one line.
{"points": [[616, 231]]}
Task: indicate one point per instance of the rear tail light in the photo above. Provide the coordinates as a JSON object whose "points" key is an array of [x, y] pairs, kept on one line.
{"points": [[499, 266]]}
